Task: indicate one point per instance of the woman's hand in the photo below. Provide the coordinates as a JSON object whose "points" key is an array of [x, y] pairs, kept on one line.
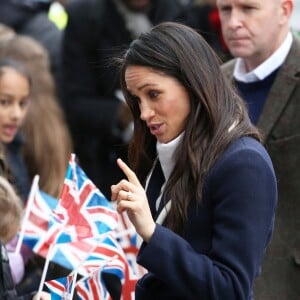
{"points": [[131, 196]]}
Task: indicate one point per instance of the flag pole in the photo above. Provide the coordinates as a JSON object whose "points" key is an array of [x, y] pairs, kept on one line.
{"points": [[74, 284], [34, 188], [46, 265]]}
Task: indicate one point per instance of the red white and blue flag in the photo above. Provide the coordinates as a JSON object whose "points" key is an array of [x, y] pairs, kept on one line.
{"points": [[85, 231], [87, 255], [127, 238], [62, 288], [110, 255], [92, 287], [129, 283], [82, 211], [39, 210], [112, 260]]}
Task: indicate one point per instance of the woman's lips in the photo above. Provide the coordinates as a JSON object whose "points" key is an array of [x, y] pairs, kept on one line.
{"points": [[155, 129]]}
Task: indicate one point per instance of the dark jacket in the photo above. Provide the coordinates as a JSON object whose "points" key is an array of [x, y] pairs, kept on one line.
{"points": [[225, 237], [280, 123], [96, 32], [17, 167], [17, 13], [7, 289]]}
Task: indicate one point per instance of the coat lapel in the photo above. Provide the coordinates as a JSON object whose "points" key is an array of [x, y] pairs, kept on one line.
{"points": [[281, 90]]}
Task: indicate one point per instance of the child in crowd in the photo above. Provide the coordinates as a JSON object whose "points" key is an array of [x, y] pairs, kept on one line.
{"points": [[10, 217], [37, 140], [15, 86]]}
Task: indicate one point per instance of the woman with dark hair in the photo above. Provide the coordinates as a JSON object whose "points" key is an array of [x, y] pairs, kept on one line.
{"points": [[201, 191]]}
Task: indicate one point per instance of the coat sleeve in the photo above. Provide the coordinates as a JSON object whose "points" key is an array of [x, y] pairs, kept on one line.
{"points": [[243, 196]]}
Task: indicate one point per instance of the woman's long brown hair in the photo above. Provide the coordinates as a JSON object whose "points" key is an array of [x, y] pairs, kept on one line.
{"points": [[180, 52]]}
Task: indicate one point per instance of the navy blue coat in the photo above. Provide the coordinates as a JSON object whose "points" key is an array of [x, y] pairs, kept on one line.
{"points": [[226, 236]]}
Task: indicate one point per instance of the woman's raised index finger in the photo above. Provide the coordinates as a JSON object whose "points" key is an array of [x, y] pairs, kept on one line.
{"points": [[127, 171]]}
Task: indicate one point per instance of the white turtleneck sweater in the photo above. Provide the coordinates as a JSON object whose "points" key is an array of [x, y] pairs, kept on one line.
{"points": [[166, 157]]}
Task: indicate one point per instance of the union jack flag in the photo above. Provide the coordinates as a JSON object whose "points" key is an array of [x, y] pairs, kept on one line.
{"points": [[87, 255], [128, 239], [111, 254], [62, 288], [82, 212], [92, 287], [112, 260], [129, 283], [68, 255], [36, 225]]}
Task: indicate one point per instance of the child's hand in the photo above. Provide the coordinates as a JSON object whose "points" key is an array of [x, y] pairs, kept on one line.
{"points": [[43, 296]]}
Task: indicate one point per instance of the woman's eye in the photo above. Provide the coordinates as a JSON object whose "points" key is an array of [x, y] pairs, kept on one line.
{"points": [[153, 94]]}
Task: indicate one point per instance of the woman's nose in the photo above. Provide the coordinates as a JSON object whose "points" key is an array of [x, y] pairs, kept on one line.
{"points": [[146, 112]]}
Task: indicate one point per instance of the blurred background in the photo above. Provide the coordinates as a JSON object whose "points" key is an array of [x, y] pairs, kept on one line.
{"points": [[295, 21]]}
